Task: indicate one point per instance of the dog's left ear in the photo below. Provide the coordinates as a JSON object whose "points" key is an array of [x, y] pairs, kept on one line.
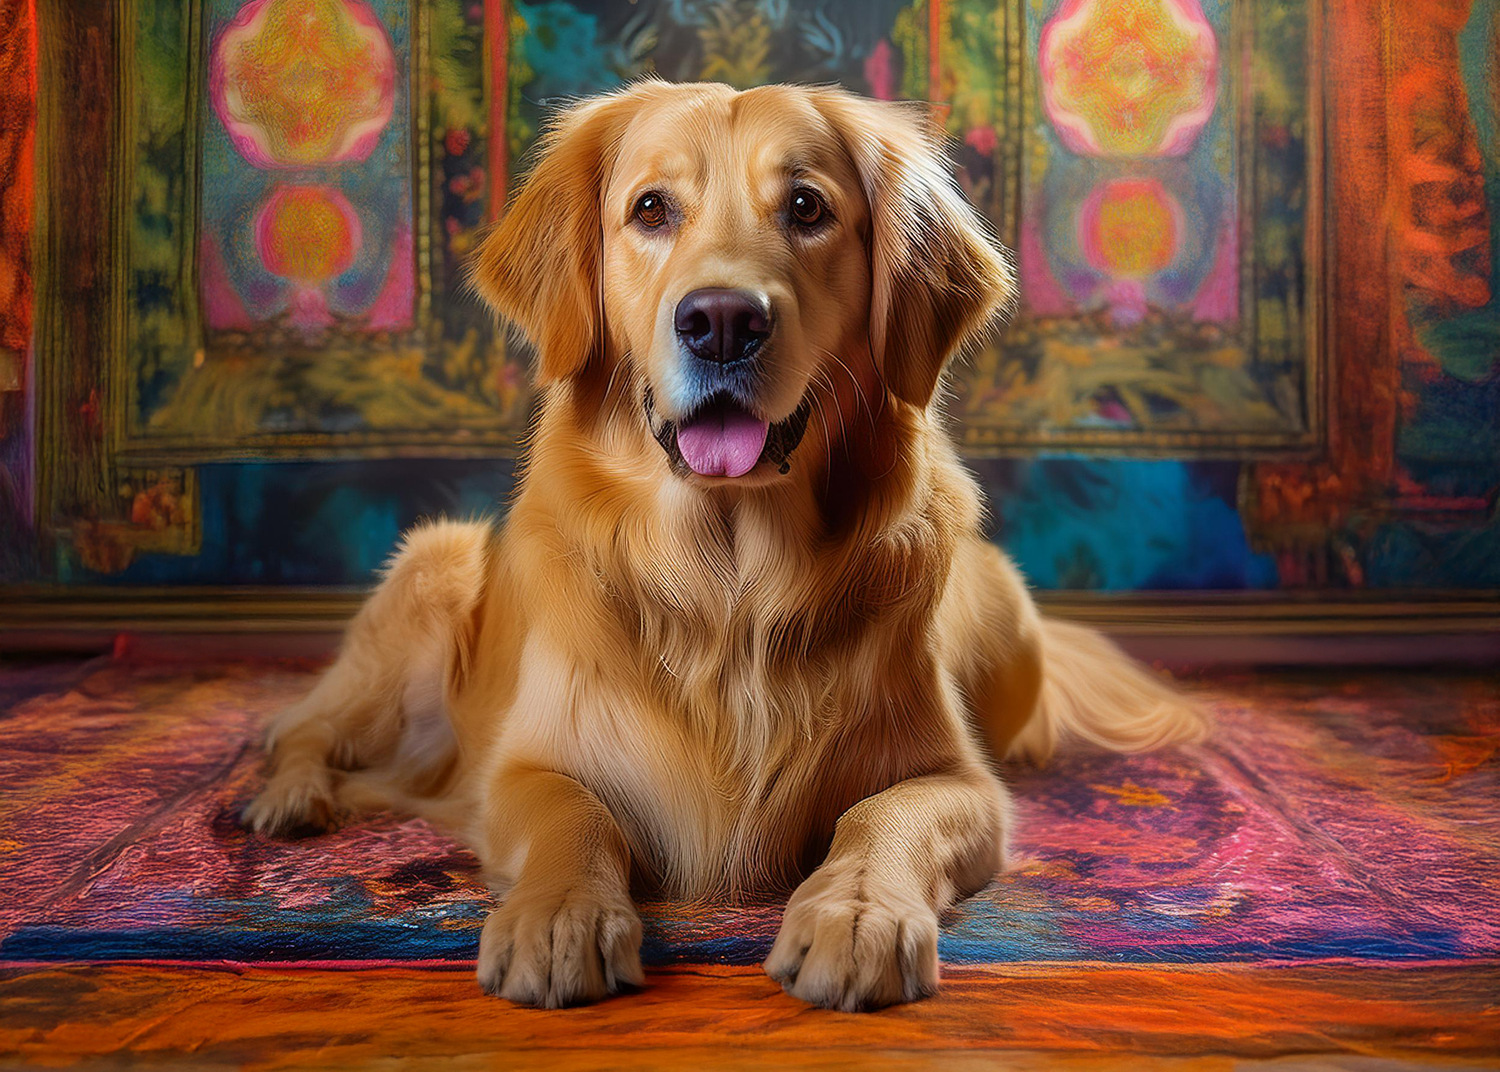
{"points": [[938, 277], [540, 268]]}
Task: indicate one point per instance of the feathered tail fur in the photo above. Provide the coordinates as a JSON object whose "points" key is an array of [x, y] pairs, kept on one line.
{"points": [[1093, 692]]}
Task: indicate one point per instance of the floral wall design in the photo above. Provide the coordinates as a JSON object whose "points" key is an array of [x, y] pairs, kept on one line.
{"points": [[305, 92], [1256, 348]]}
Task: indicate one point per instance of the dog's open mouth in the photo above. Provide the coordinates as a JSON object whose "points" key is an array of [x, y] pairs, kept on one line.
{"points": [[722, 438]]}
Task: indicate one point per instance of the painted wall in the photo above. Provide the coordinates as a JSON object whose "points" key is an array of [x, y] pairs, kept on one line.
{"points": [[1256, 349]]}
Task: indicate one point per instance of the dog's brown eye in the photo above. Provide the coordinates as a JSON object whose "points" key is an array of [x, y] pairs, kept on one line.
{"points": [[651, 210], [807, 207]]}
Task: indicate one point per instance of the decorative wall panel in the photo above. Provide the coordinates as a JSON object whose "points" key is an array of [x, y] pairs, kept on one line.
{"points": [[1256, 346], [1164, 206], [307, 176]]}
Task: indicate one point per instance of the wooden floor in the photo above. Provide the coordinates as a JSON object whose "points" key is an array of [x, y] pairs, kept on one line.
{"points": [[1019, 1017]]}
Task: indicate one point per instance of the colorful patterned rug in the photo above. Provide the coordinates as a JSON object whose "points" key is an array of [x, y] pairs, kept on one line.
{"points": [[1348, 823]]}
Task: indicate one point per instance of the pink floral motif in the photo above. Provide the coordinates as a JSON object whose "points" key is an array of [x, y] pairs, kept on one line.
{"points": [[982, 140], [303, 83], [1129, 78], [307, 235]]}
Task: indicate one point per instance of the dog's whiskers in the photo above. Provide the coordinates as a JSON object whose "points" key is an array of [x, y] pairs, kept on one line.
{"points": [[869, 411], [823, 421], [833, 394], [858, 387]]}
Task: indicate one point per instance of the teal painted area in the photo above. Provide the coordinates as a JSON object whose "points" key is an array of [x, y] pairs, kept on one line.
{"points": [[1125, 524], [1077, 523], [1435, 554], [569, 57], [1476, 58], [321, 524]]}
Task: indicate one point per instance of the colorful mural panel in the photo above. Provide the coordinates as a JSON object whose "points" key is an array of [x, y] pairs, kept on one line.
{"points": [[273, 301], [309, 109], [308, 87], [330, 154], [1147, 319], [1407, 492]]}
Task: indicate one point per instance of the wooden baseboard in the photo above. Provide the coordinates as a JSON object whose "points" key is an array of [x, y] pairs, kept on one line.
{"points": [[56, 610], [179, 610], [1280, 614]]}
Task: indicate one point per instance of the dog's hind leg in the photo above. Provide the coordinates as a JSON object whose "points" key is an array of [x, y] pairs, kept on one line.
{"points": [[991, 633], [386, 688]]}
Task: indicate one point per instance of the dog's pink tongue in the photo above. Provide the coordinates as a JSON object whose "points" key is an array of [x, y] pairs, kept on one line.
{"points": [[722, 441]]}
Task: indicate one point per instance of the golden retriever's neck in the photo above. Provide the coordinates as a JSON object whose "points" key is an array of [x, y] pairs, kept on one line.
{"points": [[720, 589], [755, 626], [806, 544]]}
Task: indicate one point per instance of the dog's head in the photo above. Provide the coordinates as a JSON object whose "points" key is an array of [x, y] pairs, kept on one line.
{"points": [[739, 263]]}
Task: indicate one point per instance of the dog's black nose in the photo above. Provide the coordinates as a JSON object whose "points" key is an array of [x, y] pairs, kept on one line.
{"points": [[722, 325]]}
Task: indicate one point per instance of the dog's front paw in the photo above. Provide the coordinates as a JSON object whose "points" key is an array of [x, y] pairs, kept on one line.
{"points": [[560, 947], [295, 800], [848, 942]]}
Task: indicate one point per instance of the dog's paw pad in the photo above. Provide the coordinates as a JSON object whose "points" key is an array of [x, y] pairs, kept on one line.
{"points": [[552, 951], [292, 806], [842, 950]]}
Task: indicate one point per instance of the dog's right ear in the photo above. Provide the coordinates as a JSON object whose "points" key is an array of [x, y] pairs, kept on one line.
{"points": [[540, 268], [938, 277]]}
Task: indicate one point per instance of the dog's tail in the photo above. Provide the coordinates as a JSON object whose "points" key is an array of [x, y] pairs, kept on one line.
{"points": [[1093, 692]]}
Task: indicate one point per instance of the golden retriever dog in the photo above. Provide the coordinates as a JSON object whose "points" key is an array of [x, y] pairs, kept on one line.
{"points": [[740, 631]]}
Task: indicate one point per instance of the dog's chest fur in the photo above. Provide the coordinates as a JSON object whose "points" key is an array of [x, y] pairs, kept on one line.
{"points": [[749, 721], [732, 787]]}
